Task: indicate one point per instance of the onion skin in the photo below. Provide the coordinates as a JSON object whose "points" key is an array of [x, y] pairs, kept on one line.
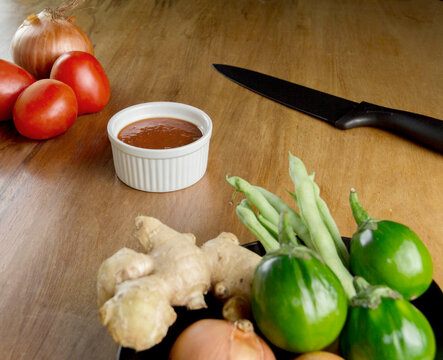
{"points": [[42, 38], [216, 339]]}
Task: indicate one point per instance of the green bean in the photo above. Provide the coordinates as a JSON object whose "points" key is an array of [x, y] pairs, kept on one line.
{"points": [[311, 215], [273, 230], [255, 198], [271, 227], [285, 231], [297, 224], [331, 225], [248, 218]]}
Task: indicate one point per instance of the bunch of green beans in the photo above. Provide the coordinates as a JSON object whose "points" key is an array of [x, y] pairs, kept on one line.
{"points": [[313, 225]]}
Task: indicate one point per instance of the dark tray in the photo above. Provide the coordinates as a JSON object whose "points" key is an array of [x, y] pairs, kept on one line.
{"points": [[430, 304]]}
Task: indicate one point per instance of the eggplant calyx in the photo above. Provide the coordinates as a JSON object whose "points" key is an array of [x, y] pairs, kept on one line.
{"points": [[370, 296], [300, 252], [371, 224]]}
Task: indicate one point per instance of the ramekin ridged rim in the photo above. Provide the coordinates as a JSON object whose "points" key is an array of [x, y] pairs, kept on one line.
{"points": [[158, 109]]}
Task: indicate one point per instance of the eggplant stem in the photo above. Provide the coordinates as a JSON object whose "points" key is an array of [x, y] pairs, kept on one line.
{"points": [[360, 215]]}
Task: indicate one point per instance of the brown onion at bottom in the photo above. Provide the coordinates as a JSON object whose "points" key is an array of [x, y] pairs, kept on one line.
{"points": [[220, 340]]}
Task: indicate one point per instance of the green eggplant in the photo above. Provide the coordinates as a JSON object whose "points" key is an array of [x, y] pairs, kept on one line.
{"points": [[389, 253], [297, 301], [382, 325]]}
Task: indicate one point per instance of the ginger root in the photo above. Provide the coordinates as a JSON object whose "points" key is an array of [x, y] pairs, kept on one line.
{"points": [[232, 271], [137, 292], [125, 264]]}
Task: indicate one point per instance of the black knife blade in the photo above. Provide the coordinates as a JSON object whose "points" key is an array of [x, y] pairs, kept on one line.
{"points": [[341, 113]]}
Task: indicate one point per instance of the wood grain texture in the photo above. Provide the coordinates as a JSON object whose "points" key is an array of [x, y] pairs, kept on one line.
{"points": [[63, 210]]}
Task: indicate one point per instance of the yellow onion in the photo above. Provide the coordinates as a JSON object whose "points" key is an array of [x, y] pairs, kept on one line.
{"points": [[216, 339], [42, 38]]}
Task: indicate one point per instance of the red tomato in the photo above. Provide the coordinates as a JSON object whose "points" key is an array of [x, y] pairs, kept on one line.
{"points": [[13, 80], [45, 109], [84, 74]]}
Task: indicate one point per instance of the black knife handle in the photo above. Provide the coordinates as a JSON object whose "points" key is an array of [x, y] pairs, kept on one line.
{"points": [[419, 128]]}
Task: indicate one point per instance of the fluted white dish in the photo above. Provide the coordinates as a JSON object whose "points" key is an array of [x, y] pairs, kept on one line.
{"points": [[160, 170]]}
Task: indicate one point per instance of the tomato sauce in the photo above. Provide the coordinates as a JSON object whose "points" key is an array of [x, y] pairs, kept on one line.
{"points": [[159, 133]]}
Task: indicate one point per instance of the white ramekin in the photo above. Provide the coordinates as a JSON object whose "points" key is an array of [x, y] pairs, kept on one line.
{"points": [[160, 170]]}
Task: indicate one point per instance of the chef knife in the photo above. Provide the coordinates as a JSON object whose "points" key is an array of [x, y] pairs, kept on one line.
{"points": [[343, 114]]}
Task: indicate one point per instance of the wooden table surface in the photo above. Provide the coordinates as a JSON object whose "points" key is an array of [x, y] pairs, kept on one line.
{"points": [[63, 210]]}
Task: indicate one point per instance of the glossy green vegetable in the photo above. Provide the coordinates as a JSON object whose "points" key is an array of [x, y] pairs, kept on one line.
{"points": [[386, 252], [382, 325], [297, 301]]}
